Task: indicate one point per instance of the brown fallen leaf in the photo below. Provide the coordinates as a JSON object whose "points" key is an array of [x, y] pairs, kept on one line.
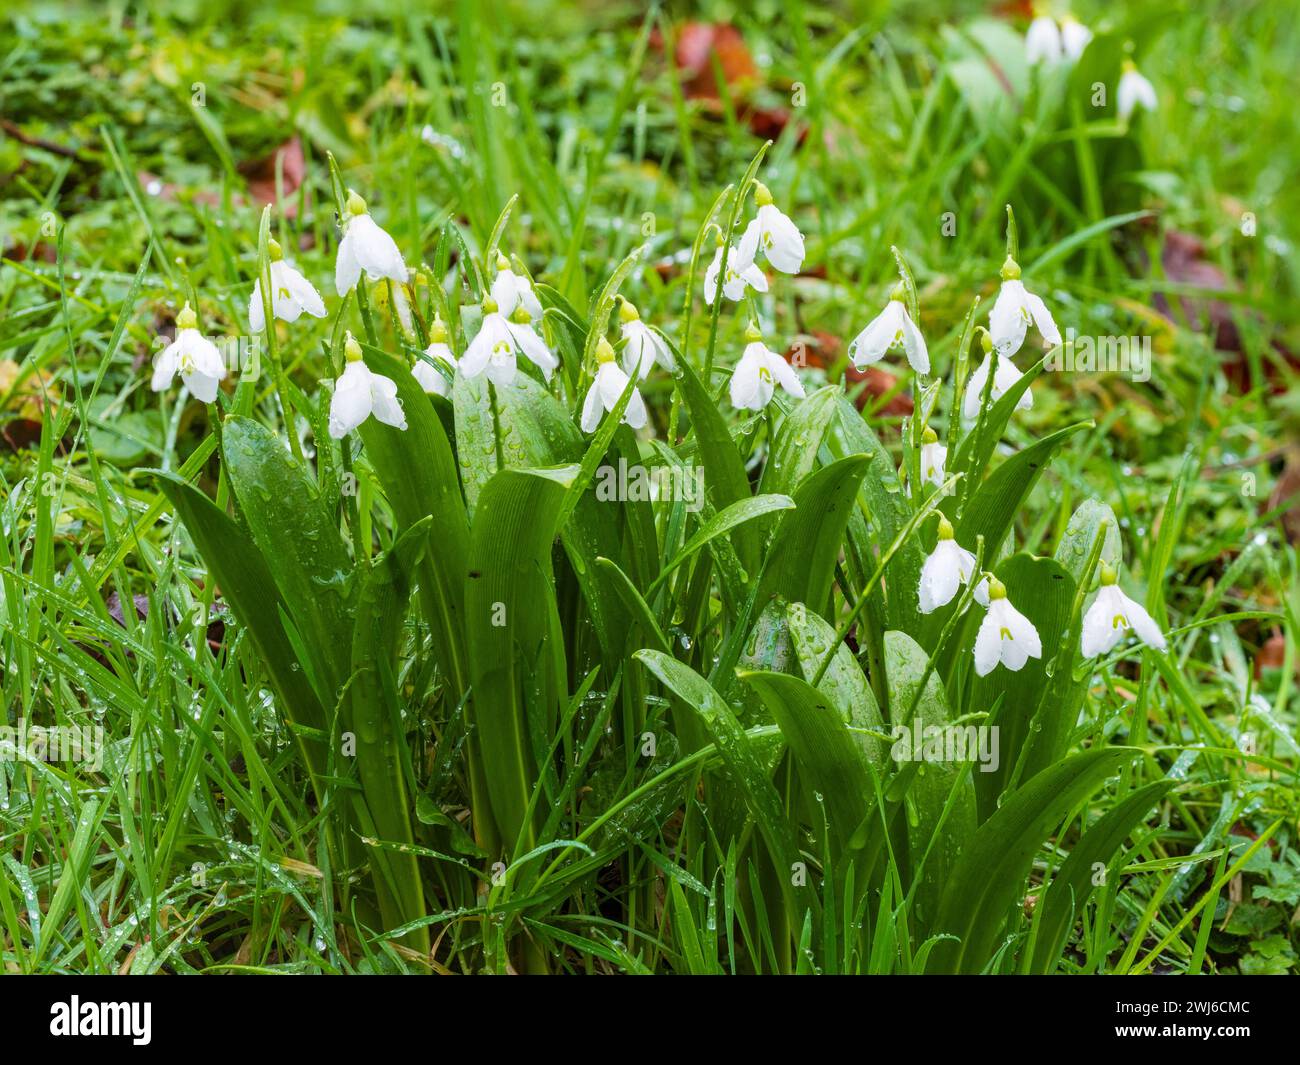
{"points": [[261, 175]]}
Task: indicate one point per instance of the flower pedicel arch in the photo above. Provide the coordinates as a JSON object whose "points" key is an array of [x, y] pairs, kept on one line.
{"points": [[193, 356]]}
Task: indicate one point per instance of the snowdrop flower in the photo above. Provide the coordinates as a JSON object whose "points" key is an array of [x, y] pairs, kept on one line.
{"points": [[1004, 377], [510, 289], [1014, 309], [607, 389], [948, 566], [365, 247], [773, 233], [1112, 615], [1043, 43], [741, 274], [498, 341], [360, 393], [1005, 634], [758, 373], [891, 330], [644, 346], [291, 293], [1074, 37], [193, 356], [1134, 91], [933, 456], [428, 376]]}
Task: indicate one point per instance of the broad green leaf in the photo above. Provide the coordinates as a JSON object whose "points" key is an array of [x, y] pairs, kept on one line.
{"points": [[1062, 901], [515, 652], [940, 798], [298, 539], [989, 877], [843, 683], [1028, 712], [798, 439], [725, 480], [247, 585], [807, 542], [1081, 533], [995, 504], [418, 473], [829, 761], [745, 767], [383, 763]]}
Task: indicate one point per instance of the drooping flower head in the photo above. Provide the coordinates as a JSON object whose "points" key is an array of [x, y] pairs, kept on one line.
{"points": [[1134, 91], [933, 457], [946, 568], [891, 330], [493, 350], [1005, 635], [643, 346], [1015, 309], [359, 393], [1112, 616], [740, 275], [607, 389], [365, 247], [193, 356], [1004, 376], [772, 233], [1043, 41], [291, 293], [428, 377], [759, 371], [1074, 37]]}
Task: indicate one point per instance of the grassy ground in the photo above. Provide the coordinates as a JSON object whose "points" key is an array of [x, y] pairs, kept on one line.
{"points": [[139, 145]]}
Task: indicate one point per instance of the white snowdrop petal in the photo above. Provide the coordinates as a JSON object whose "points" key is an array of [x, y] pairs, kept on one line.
{"points": [[347, 267], [988, 645], [873, 342], [783, 243], [387, 408], [592, 408], [785, 375], [746, 386], [352, 401], [1008, 321]]}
